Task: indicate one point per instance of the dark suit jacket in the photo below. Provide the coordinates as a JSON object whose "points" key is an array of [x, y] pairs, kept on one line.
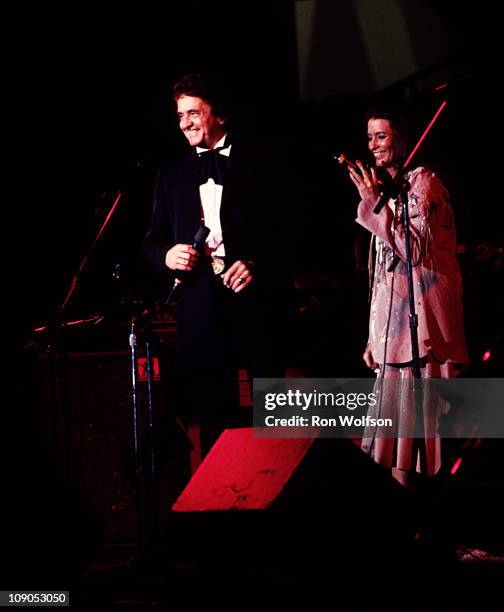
{"points": [[213, 323]]}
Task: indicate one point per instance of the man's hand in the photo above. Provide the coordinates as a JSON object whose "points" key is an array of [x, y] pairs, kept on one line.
{"points": [[181, 257], [238, 276]]}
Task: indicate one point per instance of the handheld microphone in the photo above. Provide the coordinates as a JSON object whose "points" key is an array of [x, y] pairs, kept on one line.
{"points": [[198, 243], [342, 159], [200, 237]]}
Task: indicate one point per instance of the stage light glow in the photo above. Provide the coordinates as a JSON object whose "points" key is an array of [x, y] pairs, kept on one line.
{"points": [[456, 466]]}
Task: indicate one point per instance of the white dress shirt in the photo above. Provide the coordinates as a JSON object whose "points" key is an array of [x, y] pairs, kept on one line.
{"points": [[211, 198]]}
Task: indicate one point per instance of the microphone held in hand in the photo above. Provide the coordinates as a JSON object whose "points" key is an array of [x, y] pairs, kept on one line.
{"points": [[342, 159], [200, 237], [198, 244]]}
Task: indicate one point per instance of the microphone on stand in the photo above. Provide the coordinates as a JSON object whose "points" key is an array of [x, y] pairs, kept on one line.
{"points": [[392, 190], [198, 243], [384, 198]]}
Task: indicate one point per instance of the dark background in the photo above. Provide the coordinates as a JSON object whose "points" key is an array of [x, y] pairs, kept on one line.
{"points": [[90, 115], [93, 116]]}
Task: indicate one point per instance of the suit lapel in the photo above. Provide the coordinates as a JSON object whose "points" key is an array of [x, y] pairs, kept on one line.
{"points": [[236, 187]]}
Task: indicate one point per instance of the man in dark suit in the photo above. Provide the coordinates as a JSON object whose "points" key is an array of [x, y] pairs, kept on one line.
{"points": [[230, 306]]}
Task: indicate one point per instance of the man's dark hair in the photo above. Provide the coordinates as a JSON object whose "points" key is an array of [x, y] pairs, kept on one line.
{"points": [[400, 147], [210, 88]]}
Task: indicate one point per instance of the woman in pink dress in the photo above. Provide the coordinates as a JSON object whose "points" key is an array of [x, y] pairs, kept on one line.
{"points": [[437, 296]]}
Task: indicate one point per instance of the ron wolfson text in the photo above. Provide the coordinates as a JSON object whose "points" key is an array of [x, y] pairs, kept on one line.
{"points": [[317, 421]]}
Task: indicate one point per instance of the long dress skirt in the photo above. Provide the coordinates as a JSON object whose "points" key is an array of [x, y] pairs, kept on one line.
{"points": [[396, 401]]}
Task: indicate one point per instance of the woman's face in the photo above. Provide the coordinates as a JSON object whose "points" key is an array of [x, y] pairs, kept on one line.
{"points": [[381, 142]]}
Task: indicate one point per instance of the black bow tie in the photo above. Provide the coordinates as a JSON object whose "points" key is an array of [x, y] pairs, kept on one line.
{"points": [[212, 164]]}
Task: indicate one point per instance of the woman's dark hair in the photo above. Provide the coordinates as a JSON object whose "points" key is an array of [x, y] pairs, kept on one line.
{"points": [[210, 88], [400, 147]]}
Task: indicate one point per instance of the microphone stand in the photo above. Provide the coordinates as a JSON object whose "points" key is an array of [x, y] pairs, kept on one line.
{"points": [[146, 492], [419, 438], [140, 499], [78, 273], [143, 446], [61, 434], [147, 523], [145, 475]]}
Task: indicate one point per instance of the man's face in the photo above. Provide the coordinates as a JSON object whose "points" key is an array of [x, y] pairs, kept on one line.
{"points": [[381, 142], [198, 123]]}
